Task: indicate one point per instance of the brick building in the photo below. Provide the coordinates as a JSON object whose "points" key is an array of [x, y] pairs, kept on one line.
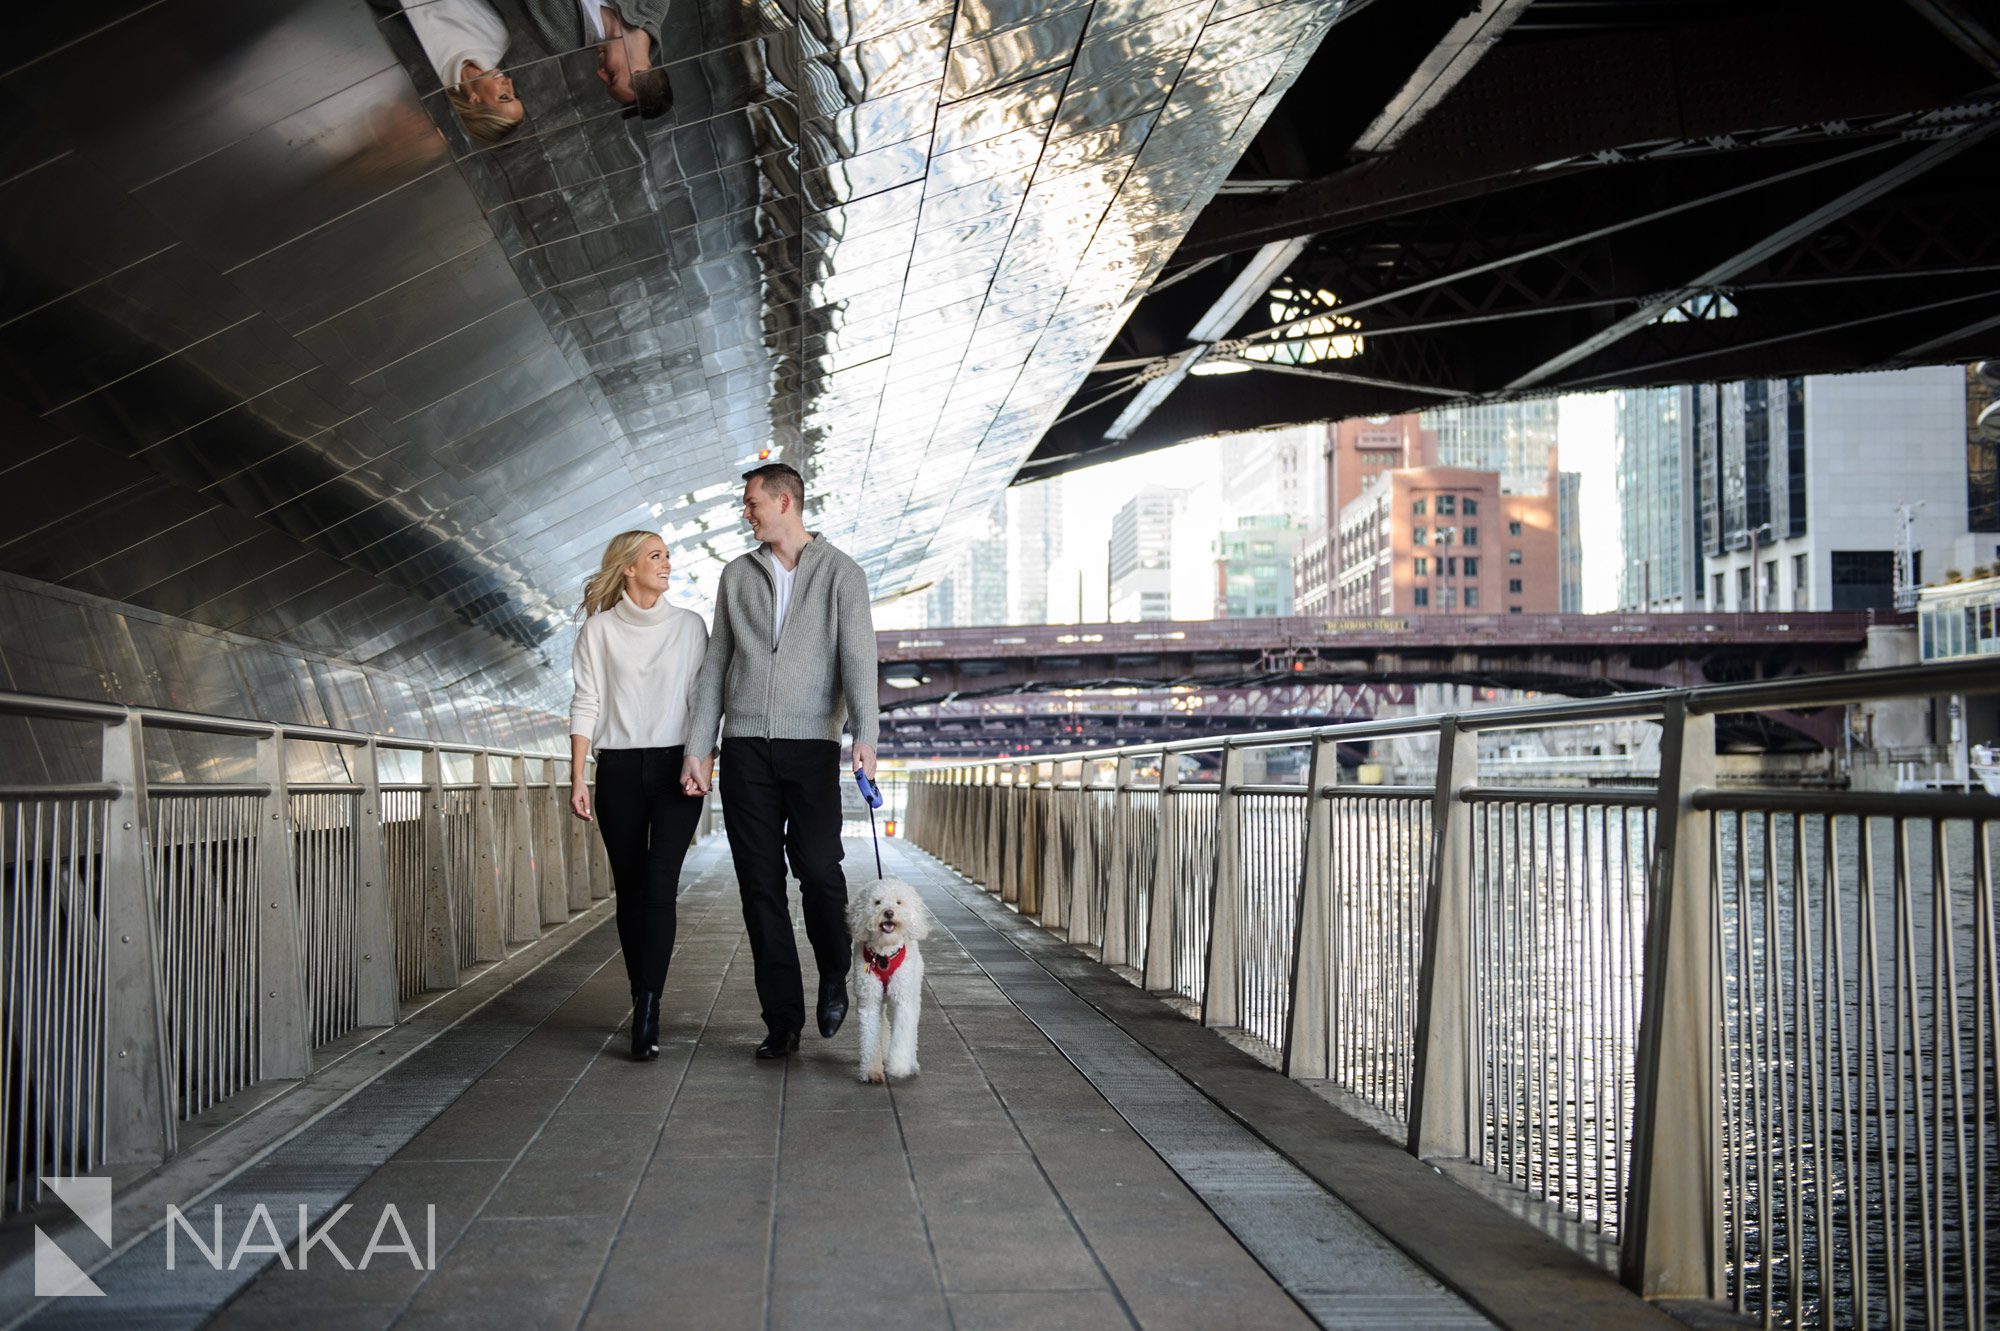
{"points": [[1446, 540]]}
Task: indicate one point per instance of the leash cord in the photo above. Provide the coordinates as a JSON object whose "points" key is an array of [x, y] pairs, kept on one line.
{"points": [[876, 839]]}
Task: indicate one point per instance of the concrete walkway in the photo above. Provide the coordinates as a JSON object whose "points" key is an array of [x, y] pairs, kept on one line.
{"points": [[1027, 1178]]}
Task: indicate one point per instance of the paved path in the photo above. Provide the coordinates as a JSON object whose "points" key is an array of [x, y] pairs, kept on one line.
{"points": [[1028, 1178]]}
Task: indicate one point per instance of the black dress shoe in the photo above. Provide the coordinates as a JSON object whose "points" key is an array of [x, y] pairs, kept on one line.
{"points": [[645, 1026], [778, 1045], [832, 1010]]}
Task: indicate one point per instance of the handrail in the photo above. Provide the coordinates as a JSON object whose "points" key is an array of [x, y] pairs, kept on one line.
{"points": [[1615, 998], [344, 897], [48, 708]]}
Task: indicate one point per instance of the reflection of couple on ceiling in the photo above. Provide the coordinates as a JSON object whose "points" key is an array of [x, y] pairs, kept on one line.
{"points": [[465, 40]]}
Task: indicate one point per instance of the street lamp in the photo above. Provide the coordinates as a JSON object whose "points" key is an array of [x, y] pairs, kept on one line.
{"points": [[1764, 529]]}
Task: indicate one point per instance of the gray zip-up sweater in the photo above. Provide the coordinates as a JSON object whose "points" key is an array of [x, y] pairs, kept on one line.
{"points": [[819, 671]]}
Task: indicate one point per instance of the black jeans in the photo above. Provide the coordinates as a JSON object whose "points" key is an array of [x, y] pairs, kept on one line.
{"points": [[647, 824], [781, 799]]}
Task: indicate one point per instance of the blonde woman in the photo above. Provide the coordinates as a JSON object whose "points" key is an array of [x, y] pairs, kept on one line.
{"points": [[465, 40], [635, 664]]}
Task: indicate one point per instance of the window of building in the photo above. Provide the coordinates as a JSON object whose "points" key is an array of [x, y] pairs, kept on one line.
{"points": [[1513, 609], [1447, 505], [1770, 584], [1513, 556], [1514, 586], [1447, 598], [1419, 536], [1421, 598], [1715, 593], [1419, 508], [1472, 536], [1447, 566], [1801, 573], [1863, 579], [1471, 598], [1471, 566], [1447, 535], [1422, 567], [1743, 588], [1513, 529], [1471, 508]]}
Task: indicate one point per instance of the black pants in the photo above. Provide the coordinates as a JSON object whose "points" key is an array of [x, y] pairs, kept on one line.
{"points": [[647, 824], [781, 799]]}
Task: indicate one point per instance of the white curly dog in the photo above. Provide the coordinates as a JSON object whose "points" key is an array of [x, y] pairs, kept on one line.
{"points": [[886, 981]]}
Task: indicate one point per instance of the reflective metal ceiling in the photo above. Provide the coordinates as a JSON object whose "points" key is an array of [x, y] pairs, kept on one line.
{"points": [[289, 354]]}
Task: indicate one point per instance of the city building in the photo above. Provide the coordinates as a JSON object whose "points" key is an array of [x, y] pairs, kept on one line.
{"points": [[1804, 493], [1516, 439], [973, 589], [1139, 567], [1447, 540], [1808, 488], [1569, 539], [1660, 568], [1253, 567], [1274, 471], [1353, 453], [1034, 548]]}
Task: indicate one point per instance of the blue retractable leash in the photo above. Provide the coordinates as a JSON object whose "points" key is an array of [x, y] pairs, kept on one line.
{"points": [[873, 794]]}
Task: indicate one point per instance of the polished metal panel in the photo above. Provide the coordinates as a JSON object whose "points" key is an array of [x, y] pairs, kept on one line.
{"points": [[293, 355]]}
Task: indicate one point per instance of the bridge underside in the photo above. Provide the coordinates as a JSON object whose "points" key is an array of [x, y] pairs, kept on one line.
{"points": [[1302, 664], [1542, 196], [1055, 719]]}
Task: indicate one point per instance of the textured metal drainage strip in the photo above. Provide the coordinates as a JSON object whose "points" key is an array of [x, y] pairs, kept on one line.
{"points": [[329, 1159], [1329, 1260]]}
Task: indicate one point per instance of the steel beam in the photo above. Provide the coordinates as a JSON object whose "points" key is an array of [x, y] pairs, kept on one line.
{"points": [[1717, 274]]}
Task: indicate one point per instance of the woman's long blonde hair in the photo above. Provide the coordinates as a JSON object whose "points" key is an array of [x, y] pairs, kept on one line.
{"points": [[602, 589], [481, 122]]}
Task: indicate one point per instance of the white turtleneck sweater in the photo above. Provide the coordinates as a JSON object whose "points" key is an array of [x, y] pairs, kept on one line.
{"points": [[455, 31], [635, 675]]}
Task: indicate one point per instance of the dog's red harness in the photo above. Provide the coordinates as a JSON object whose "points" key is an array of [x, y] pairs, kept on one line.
{"points": [[882, 968]]}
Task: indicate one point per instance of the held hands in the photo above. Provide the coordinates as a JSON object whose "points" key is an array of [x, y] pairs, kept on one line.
{"points": [[697, 774], [579, 801], [864, 760]]}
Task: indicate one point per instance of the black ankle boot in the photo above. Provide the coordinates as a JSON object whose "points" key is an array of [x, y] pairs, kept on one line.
{"points": [[645, 1026]]}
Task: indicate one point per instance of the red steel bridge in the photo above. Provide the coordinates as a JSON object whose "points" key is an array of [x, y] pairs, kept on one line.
{"points": [[931, 676]]}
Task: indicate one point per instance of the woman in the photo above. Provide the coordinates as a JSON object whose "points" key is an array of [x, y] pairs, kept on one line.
{"points": [[465, 40], [635, 664]]}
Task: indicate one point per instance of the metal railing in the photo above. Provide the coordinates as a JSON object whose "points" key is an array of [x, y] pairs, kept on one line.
{"points": [[1749, 1036], [166, 944]]}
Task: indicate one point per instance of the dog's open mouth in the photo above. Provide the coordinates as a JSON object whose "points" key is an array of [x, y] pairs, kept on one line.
{"points": [[888, 926]]}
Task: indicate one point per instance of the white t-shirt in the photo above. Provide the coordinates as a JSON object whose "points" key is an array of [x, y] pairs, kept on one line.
{"points": [[593, 19], [635, 675], [455, 31], [783, 578]]}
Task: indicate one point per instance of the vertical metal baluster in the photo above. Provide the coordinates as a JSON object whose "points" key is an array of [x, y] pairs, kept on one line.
{"points": [[1987, 1056], [1488, 1137], [35, 1019], [1910, 1114], [1945, 1055], [1872, 1050], [1849, 1077], [1813, 1063], [13, 1031]]}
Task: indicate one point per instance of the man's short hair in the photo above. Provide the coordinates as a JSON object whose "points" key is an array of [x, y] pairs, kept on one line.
{"points": [[652, 96], [780, 478]]}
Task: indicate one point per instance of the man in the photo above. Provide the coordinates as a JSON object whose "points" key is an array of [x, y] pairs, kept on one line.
{"points": [[626, 49], [791, 653]]}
